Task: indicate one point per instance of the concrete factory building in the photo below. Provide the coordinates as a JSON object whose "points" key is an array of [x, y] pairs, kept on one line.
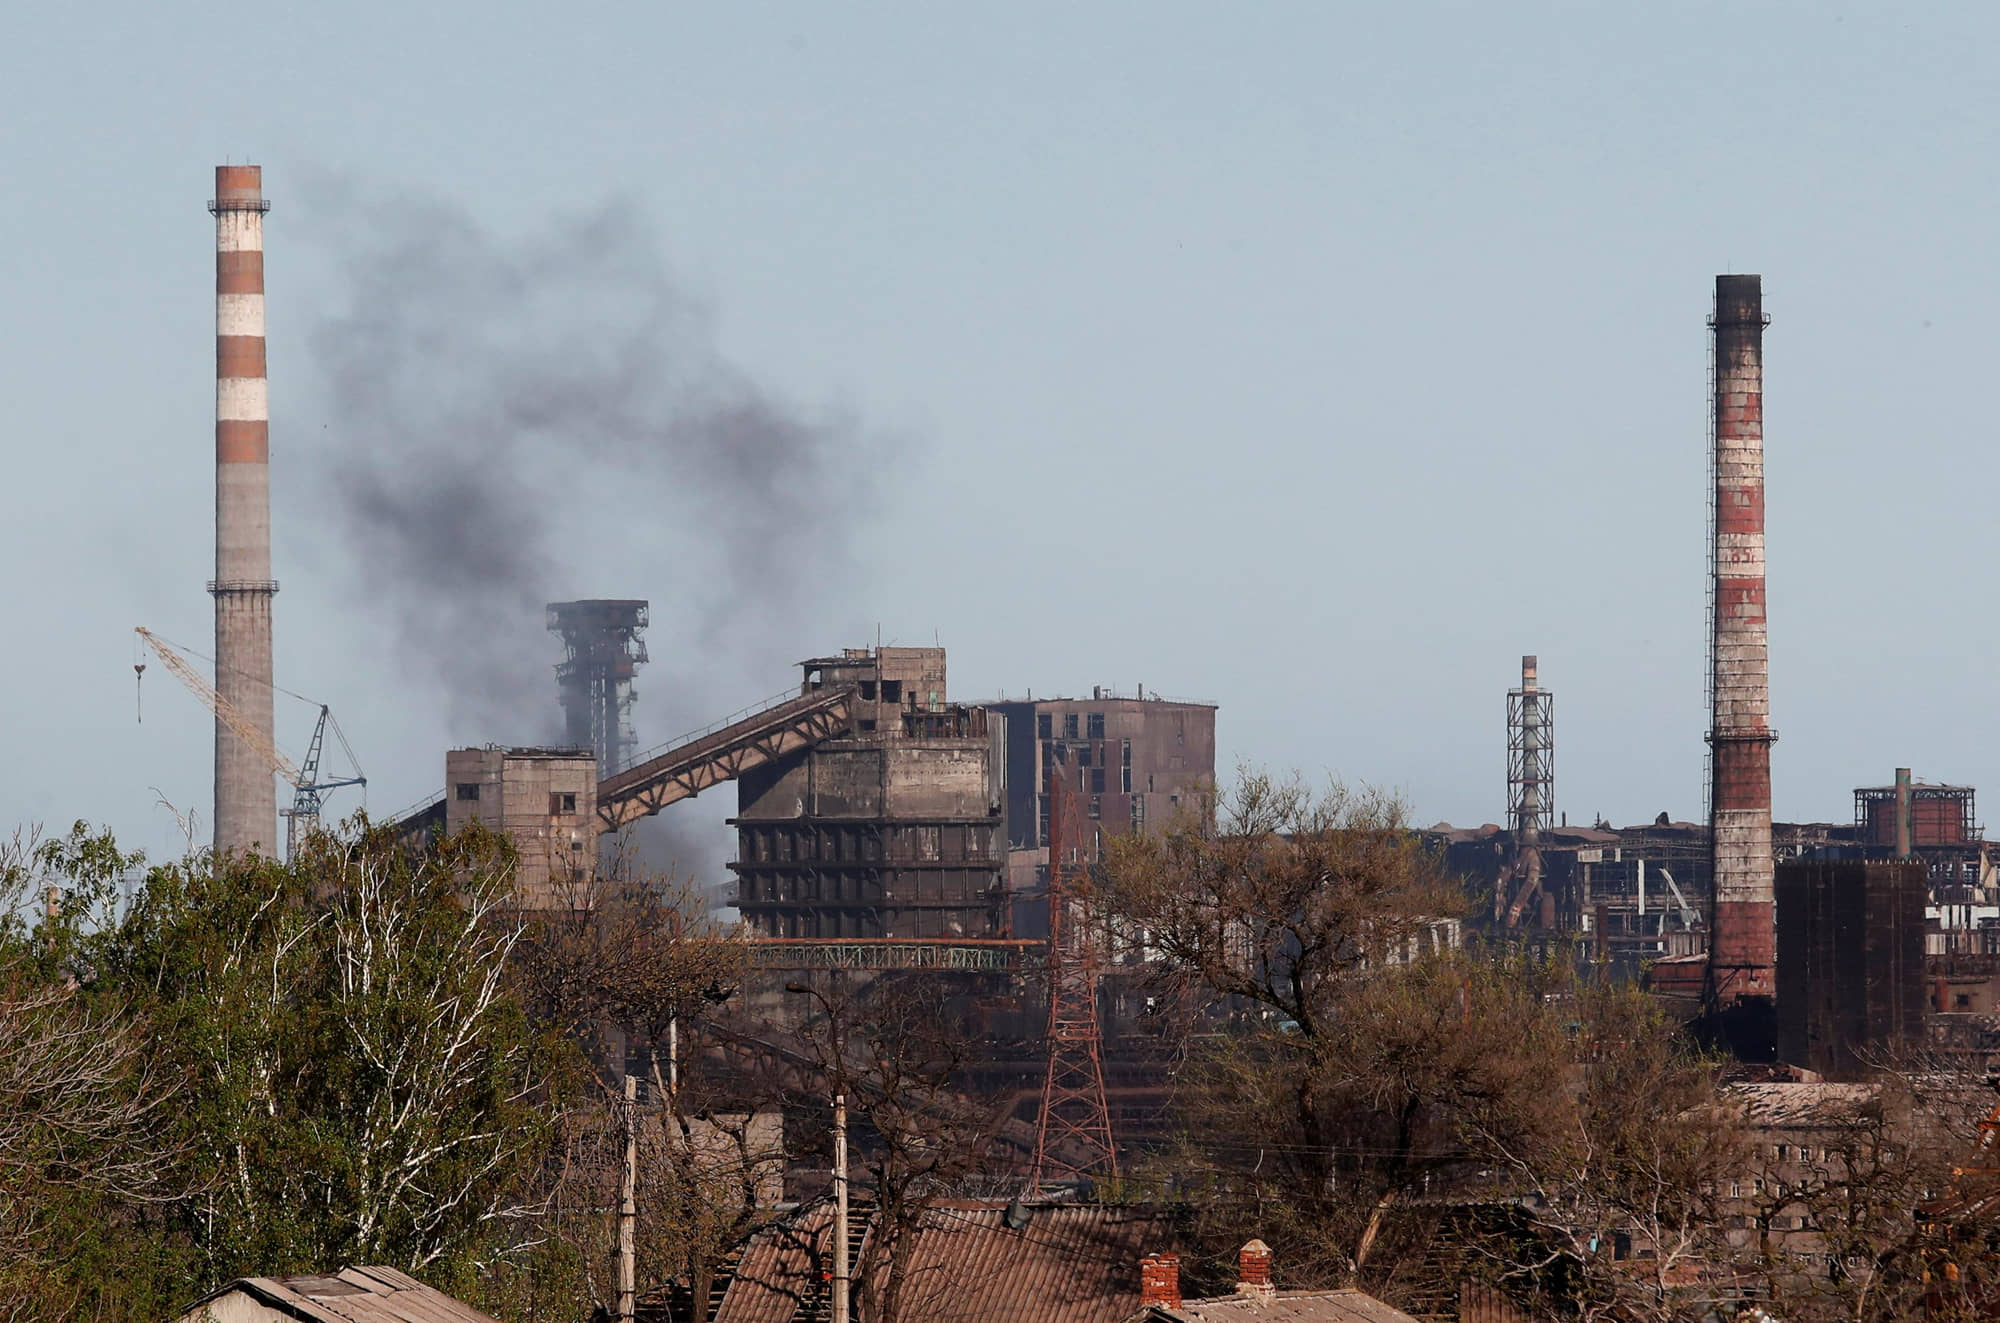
{"points": [[1138, 760], [892, 828], [546, 799]]}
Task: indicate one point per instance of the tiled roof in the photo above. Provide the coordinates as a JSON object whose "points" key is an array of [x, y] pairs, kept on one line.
{"points": [[1071, 1263], [1282, 1307], [353, 1295]]}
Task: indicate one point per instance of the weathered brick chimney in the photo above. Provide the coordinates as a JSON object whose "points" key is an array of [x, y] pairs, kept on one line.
{"points": [[1253, 1271], [1160, 1280]]}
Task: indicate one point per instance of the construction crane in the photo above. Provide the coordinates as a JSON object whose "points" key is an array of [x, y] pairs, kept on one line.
{"points": [[308, 790]]}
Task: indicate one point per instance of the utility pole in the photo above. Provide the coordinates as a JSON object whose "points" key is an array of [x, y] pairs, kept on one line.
{"points": [[841, 1281], [628, 1210]]}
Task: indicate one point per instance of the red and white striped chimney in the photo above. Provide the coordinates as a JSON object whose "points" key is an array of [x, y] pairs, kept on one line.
{"points": [[246, 797], [1743, 936]]}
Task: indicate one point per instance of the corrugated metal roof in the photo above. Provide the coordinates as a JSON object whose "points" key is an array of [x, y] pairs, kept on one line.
{"points": [[1346, 1306], [1070, 1264], [354, 1295]]}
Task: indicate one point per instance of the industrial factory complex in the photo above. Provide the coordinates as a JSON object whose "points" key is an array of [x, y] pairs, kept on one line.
{"points": [[881, 822]]}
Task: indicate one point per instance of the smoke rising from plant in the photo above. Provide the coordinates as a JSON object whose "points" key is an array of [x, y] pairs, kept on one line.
{"points": [[515, 422]]}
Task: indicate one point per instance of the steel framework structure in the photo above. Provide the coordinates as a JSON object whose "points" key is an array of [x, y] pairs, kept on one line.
{"points": [[603, 651], [1000, 955], [719, 755], [1531, 781], [1073, 1137]]}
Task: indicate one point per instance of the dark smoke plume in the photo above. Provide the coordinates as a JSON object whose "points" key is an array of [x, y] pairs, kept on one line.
{"points": [[514, 423]]}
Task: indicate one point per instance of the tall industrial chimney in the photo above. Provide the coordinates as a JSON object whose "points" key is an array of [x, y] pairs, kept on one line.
{"points": [[1743, 938], [246, 797]]}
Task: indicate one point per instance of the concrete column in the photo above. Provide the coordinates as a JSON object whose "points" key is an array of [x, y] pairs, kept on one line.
{"points": [[246, 797]]}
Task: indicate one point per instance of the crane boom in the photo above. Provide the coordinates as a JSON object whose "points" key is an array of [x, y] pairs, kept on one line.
{"points": [[238, 724]]}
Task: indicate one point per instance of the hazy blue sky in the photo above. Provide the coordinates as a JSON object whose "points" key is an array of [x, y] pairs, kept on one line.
{"points": [[1315, 359]]}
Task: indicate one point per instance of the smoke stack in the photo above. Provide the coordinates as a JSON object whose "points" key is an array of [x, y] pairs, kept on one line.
{"points": [[246, 797], [1905, 841], [1743, 939]]}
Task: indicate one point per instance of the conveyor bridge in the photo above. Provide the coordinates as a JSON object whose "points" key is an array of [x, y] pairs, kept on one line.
{"points": [[721, 753]]}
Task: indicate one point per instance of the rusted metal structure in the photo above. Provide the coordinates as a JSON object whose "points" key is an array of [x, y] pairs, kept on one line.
{"points": [[603, 650], [781, 727], [1851, 980], [246, 795], [1743, 938], [1073, 1137], [1531, 782], [1910, 816]]}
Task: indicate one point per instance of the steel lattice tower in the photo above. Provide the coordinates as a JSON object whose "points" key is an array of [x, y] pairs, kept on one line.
{"points": [[604, 650], [1073, 1137], [1531, 780]]}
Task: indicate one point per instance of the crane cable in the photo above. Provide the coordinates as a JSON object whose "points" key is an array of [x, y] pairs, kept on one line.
{"points": [[139, 667]]}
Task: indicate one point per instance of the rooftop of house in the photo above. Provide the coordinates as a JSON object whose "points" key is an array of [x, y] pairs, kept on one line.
{"points": [[969, 1262], [1340, 1306], [352, 1295]]}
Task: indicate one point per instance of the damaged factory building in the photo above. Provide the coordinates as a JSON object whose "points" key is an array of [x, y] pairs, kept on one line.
{"points": [[893, 829]]}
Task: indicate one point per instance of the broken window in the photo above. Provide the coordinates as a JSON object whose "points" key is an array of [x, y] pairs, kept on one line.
{"points": [[867, 691], [468, 791], [1045, 726], [1096, 726], [562, 801], [1138, 812], [1069, 725], [1125, 752], [1096, 808], [1097, 780], [892, 691], [1083, 755], [1125, 779]]}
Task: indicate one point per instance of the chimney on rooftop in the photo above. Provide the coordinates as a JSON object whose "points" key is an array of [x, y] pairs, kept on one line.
{"points": [[1905, 846], [1253, 1271], [1160, 1280]]}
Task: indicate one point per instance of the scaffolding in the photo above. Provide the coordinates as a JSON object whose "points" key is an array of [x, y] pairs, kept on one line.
{"points": [[603, 651]]}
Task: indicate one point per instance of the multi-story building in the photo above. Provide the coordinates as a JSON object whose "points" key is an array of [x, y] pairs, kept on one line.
{"points": [[893, 829], [1139, 761], [546, 799]]}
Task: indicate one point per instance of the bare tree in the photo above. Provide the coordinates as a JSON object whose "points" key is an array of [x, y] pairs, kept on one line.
{"points": [[1626, 1179], [891, 1047], [1355, 1049]]}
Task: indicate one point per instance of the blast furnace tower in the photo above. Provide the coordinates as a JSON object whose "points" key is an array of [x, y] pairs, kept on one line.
{"points": [[246, 796], [604, 651]]}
